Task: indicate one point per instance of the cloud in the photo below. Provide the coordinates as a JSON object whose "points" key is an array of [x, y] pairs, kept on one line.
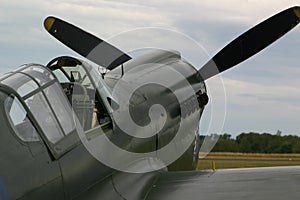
{"points": [[259, 107], [264, 87]]}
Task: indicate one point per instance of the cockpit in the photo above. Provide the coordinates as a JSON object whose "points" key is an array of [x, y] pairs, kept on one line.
{"points": [[82, 85], [53, 102]]}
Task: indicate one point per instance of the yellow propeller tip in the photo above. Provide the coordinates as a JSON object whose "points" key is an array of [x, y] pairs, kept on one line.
{"points": [[297, 11], [49, 23]]}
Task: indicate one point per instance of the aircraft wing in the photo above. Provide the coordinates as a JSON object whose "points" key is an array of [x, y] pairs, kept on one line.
{"points": [[234, 184], [272, 183]]}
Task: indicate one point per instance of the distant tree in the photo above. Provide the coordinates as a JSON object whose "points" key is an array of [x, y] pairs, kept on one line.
{"points": [[286, 147], [257, 143], [248, 142], [296, 147], [226, 136], [226, 146]]}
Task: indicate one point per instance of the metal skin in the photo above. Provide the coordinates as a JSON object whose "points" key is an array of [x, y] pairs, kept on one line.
{"points": [[42, 172], [43, 155]]}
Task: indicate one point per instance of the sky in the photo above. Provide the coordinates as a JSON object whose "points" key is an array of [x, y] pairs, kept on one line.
{"points": [[261, 94]]}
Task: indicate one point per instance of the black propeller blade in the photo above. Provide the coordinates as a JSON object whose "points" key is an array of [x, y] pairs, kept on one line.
{"points": [[251, 42], [86, 44]]}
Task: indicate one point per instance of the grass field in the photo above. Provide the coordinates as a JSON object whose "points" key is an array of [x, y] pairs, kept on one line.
{"points": [[241, 160]]}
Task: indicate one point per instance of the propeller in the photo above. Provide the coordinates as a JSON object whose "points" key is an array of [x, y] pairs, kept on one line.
{"points": [[242, 48], [86, 44], [251, 42], [239, 50]]}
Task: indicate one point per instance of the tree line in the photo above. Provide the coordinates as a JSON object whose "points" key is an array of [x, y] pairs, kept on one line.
{"points": [[257, 143]]}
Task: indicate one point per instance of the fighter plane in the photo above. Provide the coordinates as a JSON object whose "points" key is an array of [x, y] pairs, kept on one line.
{"points": [[123, 127]]}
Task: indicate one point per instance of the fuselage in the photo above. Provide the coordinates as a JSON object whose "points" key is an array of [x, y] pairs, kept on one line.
{"points": [[53, 117]]}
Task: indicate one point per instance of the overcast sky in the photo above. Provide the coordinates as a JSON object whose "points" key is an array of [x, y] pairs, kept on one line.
{"points": [[262, 94]]}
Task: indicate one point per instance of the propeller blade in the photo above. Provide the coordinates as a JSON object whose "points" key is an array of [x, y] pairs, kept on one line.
{"points": [[251, 42], [86, 44], [208, 144]]}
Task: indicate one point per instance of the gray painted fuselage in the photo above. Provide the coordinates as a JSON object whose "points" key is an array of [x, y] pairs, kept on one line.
{"points": [[32, 170]]}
